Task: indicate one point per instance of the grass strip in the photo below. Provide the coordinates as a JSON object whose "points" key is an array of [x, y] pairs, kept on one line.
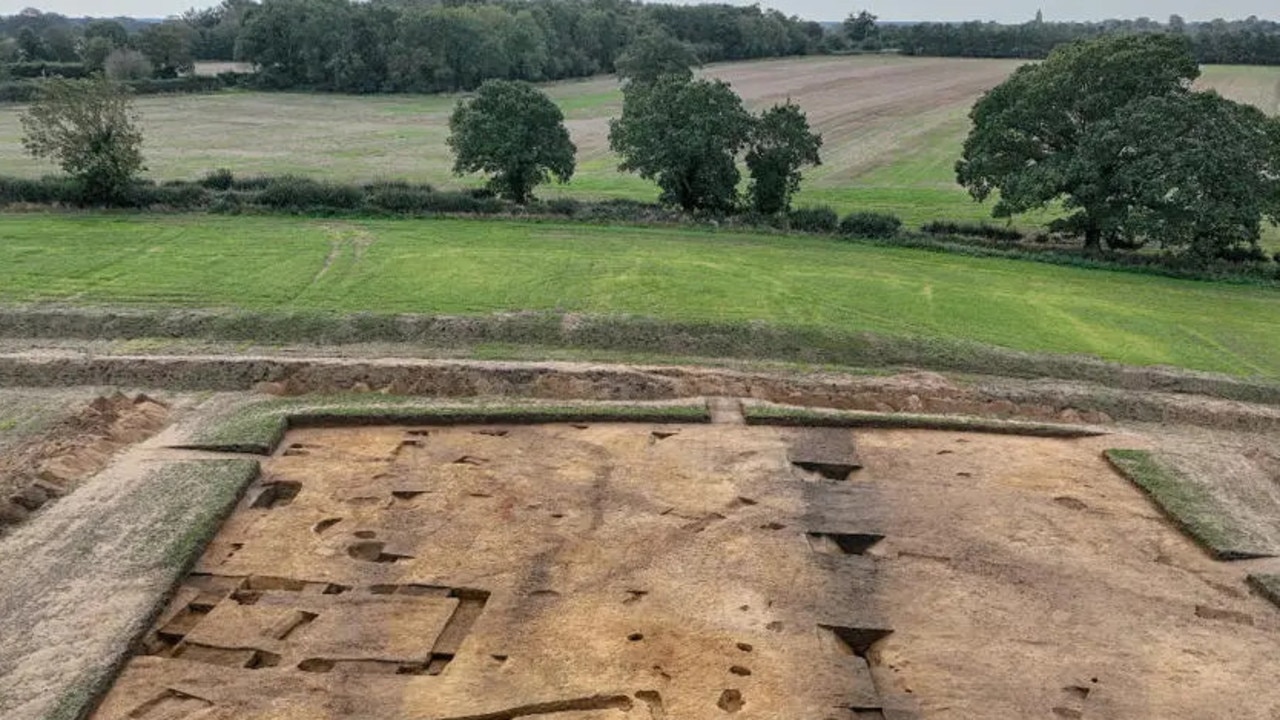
{"points": [[1268, 586], [1189, 504], [259, 428], [142, 536], [760, 414]]}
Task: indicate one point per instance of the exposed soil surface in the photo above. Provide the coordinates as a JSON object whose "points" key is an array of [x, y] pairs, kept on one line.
{"points": [[907, 392], [1025, 580], [654, 572], [54, 462]]}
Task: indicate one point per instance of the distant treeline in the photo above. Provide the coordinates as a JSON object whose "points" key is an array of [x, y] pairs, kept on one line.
{"points": [[404, 46], [1239, 42], [448, 45], [416, 46]]}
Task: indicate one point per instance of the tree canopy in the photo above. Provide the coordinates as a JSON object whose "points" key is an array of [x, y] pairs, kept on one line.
{"points": [[859, 26], [685, 135], [1112, 129], [781, 143], [514, 132], [90, 129], [1199, 172], [1027, 131]]}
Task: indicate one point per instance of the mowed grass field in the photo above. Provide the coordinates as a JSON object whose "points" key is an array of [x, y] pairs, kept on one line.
{"points": [[893, 128], [478, 266]]}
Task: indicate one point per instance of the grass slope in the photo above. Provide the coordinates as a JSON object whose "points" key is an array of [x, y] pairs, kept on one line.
{"points": [[472, 267]]}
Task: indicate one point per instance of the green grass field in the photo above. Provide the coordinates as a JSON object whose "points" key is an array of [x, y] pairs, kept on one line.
{"points": [[892, 126], [472, 266]]}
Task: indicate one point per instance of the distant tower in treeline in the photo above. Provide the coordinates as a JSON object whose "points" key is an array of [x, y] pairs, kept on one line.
{"points": [[1039, 17]]}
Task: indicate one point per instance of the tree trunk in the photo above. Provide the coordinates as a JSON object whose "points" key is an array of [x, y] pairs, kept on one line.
{"points": [[1093, 240]]}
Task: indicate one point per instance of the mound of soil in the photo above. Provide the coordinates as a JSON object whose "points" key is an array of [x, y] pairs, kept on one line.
{"points": [[55, 462]]}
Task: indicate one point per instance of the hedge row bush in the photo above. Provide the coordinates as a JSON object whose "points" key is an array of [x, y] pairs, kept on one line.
{"points": [[814, 219], [870, 225], [26, 90], [27, 70], [980, 230]]}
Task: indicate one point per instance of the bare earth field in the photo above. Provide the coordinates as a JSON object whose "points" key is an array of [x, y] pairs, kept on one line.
{"points": [[892, 128]]}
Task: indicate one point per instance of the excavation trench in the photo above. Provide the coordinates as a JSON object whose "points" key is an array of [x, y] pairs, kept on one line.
{"points": [[912, 392], [596, 571]]}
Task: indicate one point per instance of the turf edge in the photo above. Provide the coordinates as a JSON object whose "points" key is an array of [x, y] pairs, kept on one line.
{"points": [[1268, 586], [1186, 503], [760, 414], [258, 429]]}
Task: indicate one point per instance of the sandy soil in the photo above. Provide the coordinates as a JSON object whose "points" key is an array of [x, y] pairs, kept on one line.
{"points": [[1029, 581], [620, 571]]}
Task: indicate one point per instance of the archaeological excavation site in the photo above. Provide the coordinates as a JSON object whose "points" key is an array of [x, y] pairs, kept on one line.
{"points": [[254, 539]]}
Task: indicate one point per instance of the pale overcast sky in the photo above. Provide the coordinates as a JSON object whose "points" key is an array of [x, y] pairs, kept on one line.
{"points": [[1000, 10]]}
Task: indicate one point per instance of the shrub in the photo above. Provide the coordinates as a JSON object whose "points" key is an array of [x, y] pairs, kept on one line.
{"points": [[400, 198], [90, 129], [820, 219], [870, 225], [463, 202], [378, 185], [187, 84], [982, 230], [40, 69], [174, 194], [251, 183], [300, 194], [45, 191], [1242, 254], [19, 91], [228, 203], [623, 210], [563, 206], [220, 179]]}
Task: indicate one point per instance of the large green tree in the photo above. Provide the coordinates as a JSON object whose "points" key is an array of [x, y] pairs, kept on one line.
{"points": [[1198, 173], [516, 134], [686, 136], [781, 143], [90, 129], [1028, 131]]}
